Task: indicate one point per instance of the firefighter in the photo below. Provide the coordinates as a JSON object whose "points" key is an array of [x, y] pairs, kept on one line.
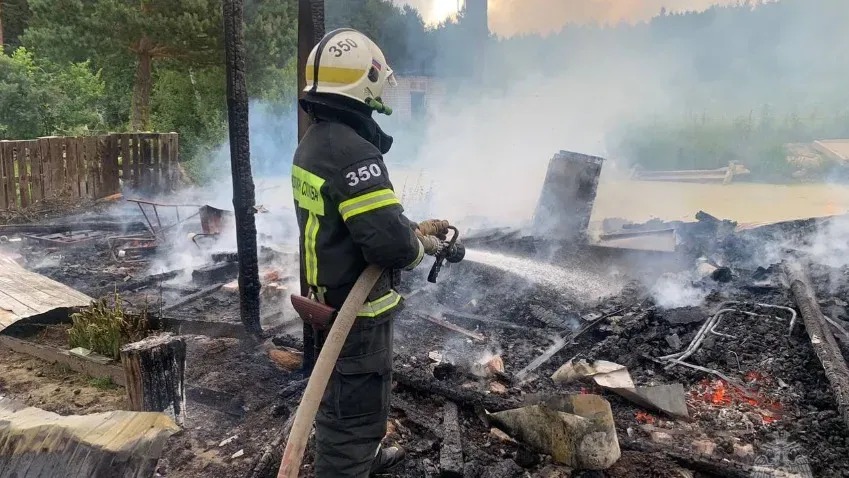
{"points": [[349, 217]]}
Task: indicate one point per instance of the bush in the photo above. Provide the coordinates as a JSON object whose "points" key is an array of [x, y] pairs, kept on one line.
{"points": [[104, 329], [38, 98]]}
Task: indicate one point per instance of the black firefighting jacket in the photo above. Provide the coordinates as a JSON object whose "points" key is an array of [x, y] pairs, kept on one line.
{"points": [[347, 210]]}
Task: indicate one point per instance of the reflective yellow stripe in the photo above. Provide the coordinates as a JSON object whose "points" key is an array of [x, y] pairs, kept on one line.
{"points": [[306, 187], [381, 305], [310, 257], [367, 202], [335, 74], [418, 258]]}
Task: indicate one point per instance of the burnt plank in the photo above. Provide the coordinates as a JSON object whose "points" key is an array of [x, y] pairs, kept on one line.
{"points": [[36, 159], [156, 163], [111, 173], [11, 178], [126, 159], [71, 167], [82, 170], [54, 160], [23, 165], [146, 162], [136, 152], [3, 202], [451, 451], [165, 163]]}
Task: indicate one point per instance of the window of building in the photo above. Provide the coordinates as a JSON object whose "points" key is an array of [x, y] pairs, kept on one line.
{"points": [[417, 104]]}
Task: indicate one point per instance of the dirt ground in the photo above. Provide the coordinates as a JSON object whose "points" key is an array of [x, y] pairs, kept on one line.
{"points": [[55, 388]]}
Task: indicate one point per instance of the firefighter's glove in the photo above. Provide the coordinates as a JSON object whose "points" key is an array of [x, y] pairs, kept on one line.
{"points": [[434, 227], [432, 245]]}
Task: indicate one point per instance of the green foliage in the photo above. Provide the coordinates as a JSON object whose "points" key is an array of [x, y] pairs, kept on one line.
{"points": [[40, 98], [15, 16], [105, 329]]}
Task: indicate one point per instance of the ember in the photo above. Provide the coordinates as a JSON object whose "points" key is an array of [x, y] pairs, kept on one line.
{"points": [[643, 417], [719, 392]]}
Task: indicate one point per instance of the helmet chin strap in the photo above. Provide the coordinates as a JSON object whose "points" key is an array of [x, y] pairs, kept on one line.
{"points": [[377, 105]]}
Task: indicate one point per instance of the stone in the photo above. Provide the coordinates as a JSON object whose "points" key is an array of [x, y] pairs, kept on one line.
{"points": [[743, 451], [498, 388], [704, 447]]}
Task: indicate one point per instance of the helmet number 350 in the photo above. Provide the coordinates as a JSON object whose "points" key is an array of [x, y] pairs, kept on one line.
{"points": [[343, 46], [363, 174]]}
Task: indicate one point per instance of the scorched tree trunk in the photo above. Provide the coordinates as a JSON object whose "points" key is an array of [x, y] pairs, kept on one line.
{"points": [[240, 162]]}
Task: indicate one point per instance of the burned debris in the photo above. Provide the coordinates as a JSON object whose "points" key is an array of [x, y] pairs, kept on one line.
{"points": [[659, 349]]}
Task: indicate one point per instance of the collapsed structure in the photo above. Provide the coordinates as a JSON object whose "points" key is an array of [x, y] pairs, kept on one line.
{"points": [[646, 349]]}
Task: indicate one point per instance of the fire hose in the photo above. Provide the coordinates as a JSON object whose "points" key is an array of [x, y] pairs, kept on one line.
{"points": [[332, 347]]}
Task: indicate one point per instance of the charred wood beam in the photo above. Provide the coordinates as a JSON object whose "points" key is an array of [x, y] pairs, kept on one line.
{"points": [[451, 450], [244, 200], [193, 297], [825, 346], [113, 226], [702, 463], [148, 281], [422, 381], [456, 328]]}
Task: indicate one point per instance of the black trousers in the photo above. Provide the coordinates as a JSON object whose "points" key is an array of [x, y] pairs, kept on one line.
{"points": [[351, 420]]}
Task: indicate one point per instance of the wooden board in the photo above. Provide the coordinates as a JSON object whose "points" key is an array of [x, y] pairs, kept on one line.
{"points": [[136, 160], [3, 174], [36, 156], [126, 160], [23, 165], [44, 444], [11, 178], [26, 294]]}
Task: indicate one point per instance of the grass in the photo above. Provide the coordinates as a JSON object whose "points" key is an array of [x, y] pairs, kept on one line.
{"points": [[104, 329], [102, 383], [703, 142]]}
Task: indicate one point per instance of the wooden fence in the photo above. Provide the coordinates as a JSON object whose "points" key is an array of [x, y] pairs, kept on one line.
{"points": [[85, 167]]}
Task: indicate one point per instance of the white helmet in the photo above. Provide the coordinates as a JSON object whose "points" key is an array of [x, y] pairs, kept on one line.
{"points": [[348, 63]]}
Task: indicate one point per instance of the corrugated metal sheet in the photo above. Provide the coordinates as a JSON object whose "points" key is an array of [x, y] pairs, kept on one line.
{"points": [[25, 294], [35, 443]]}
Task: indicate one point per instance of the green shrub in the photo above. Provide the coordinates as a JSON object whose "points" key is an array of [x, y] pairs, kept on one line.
{"points": [[105, 329]]}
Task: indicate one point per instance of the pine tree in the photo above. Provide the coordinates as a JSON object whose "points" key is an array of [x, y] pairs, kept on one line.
{"points": [[141, 32]]}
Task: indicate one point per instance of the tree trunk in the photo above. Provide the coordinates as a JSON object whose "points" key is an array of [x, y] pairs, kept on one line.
{"points": [[154, 370], [2, 41], [310, 32], [140, 119], [240, 164]]}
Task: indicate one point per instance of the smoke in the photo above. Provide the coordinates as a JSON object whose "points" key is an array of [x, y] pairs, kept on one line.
{"points": [[672, 291]]}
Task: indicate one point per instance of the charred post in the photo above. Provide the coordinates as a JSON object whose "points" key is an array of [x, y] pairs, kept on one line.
{"points": [[310, 32], [823, 341], [451, 450], [566, 203], [154, 370], [240, 163]]}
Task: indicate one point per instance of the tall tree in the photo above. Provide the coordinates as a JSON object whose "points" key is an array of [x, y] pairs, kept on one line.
{"points": [[140, 31], [14, 16]]}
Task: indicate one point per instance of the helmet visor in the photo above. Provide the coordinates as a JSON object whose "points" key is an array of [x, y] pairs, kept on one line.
{"points": [[390, 79]]}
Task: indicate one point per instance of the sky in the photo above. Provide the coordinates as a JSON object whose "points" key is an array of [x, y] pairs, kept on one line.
{"points": [[511, 17]]}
